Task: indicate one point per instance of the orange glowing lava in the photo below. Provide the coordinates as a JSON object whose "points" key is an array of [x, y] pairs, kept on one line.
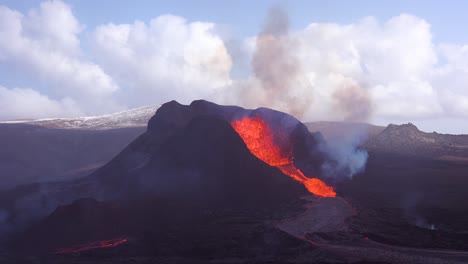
{"points": [[258, 137], [92, 245]]}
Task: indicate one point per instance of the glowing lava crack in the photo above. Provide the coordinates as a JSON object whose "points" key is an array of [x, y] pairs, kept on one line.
{"points": [[92, 245], [258, 137]]}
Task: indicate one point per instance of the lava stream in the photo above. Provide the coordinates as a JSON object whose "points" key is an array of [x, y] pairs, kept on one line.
{"points": [[259, 139], [92, 245]]}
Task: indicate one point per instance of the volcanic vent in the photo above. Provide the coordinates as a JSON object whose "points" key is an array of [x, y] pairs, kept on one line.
{"points": [[259, 138]]}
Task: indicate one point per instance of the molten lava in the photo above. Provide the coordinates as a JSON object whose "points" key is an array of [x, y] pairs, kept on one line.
{"points": [[259, 138], [92, 245]]}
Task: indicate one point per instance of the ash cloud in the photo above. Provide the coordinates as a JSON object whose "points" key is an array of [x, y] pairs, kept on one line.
{"points": [[276, 22], [276, 68], [286, 77], [354, 103]]}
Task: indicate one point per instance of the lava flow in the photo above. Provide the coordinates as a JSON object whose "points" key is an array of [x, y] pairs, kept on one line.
{"points": [[92, 245], [259, 139]]}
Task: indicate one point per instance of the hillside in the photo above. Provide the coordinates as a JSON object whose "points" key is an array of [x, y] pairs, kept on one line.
{"points": [[61, 149], [407, 139]]}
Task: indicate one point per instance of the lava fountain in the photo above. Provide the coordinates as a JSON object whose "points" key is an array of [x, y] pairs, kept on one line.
{"points": [[259, 138]]}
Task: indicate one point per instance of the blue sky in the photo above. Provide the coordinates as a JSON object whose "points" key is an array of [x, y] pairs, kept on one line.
{"points": [[404, 63], [447, 18]]}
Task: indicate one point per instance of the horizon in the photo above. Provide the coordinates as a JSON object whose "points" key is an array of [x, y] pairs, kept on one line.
{"points": [[146, 106], [361, 62]]}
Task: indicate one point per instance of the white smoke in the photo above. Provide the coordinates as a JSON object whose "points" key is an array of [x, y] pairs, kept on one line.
{"points": [[347, 158]]}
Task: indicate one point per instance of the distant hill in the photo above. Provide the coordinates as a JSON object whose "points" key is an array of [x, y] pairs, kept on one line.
{"points": [[137, 117], [404, 139], [330, 129], [58, 149], [407, 139]]}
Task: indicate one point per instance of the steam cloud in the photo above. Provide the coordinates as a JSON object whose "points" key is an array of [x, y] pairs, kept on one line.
{"points": [[348, 159], [356, 106]]}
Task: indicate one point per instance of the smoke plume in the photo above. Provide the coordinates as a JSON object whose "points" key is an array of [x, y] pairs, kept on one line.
{"points": [[347, 158], [276, 68], [279, 75], [354, 103]]}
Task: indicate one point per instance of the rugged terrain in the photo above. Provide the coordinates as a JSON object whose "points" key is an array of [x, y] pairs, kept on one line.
{"points": [[188, 187], [189, 190], [67, 148]]}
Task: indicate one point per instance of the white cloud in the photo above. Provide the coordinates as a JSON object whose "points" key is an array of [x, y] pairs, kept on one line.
{"points": [[452, 79], [395, 63], [44, 45], [166, 59], [53, 26], [18, 103]]}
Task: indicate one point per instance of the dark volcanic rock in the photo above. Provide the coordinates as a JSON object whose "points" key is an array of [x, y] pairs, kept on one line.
{"points": [[163, 227], [189, 190]]}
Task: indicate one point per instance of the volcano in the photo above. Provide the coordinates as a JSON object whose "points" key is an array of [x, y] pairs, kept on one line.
{"points": [[203, 144], [192, 159], [211, 183]]}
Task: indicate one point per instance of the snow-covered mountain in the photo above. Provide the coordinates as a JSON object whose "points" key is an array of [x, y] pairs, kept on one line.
{"points": [[137, 117]]}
